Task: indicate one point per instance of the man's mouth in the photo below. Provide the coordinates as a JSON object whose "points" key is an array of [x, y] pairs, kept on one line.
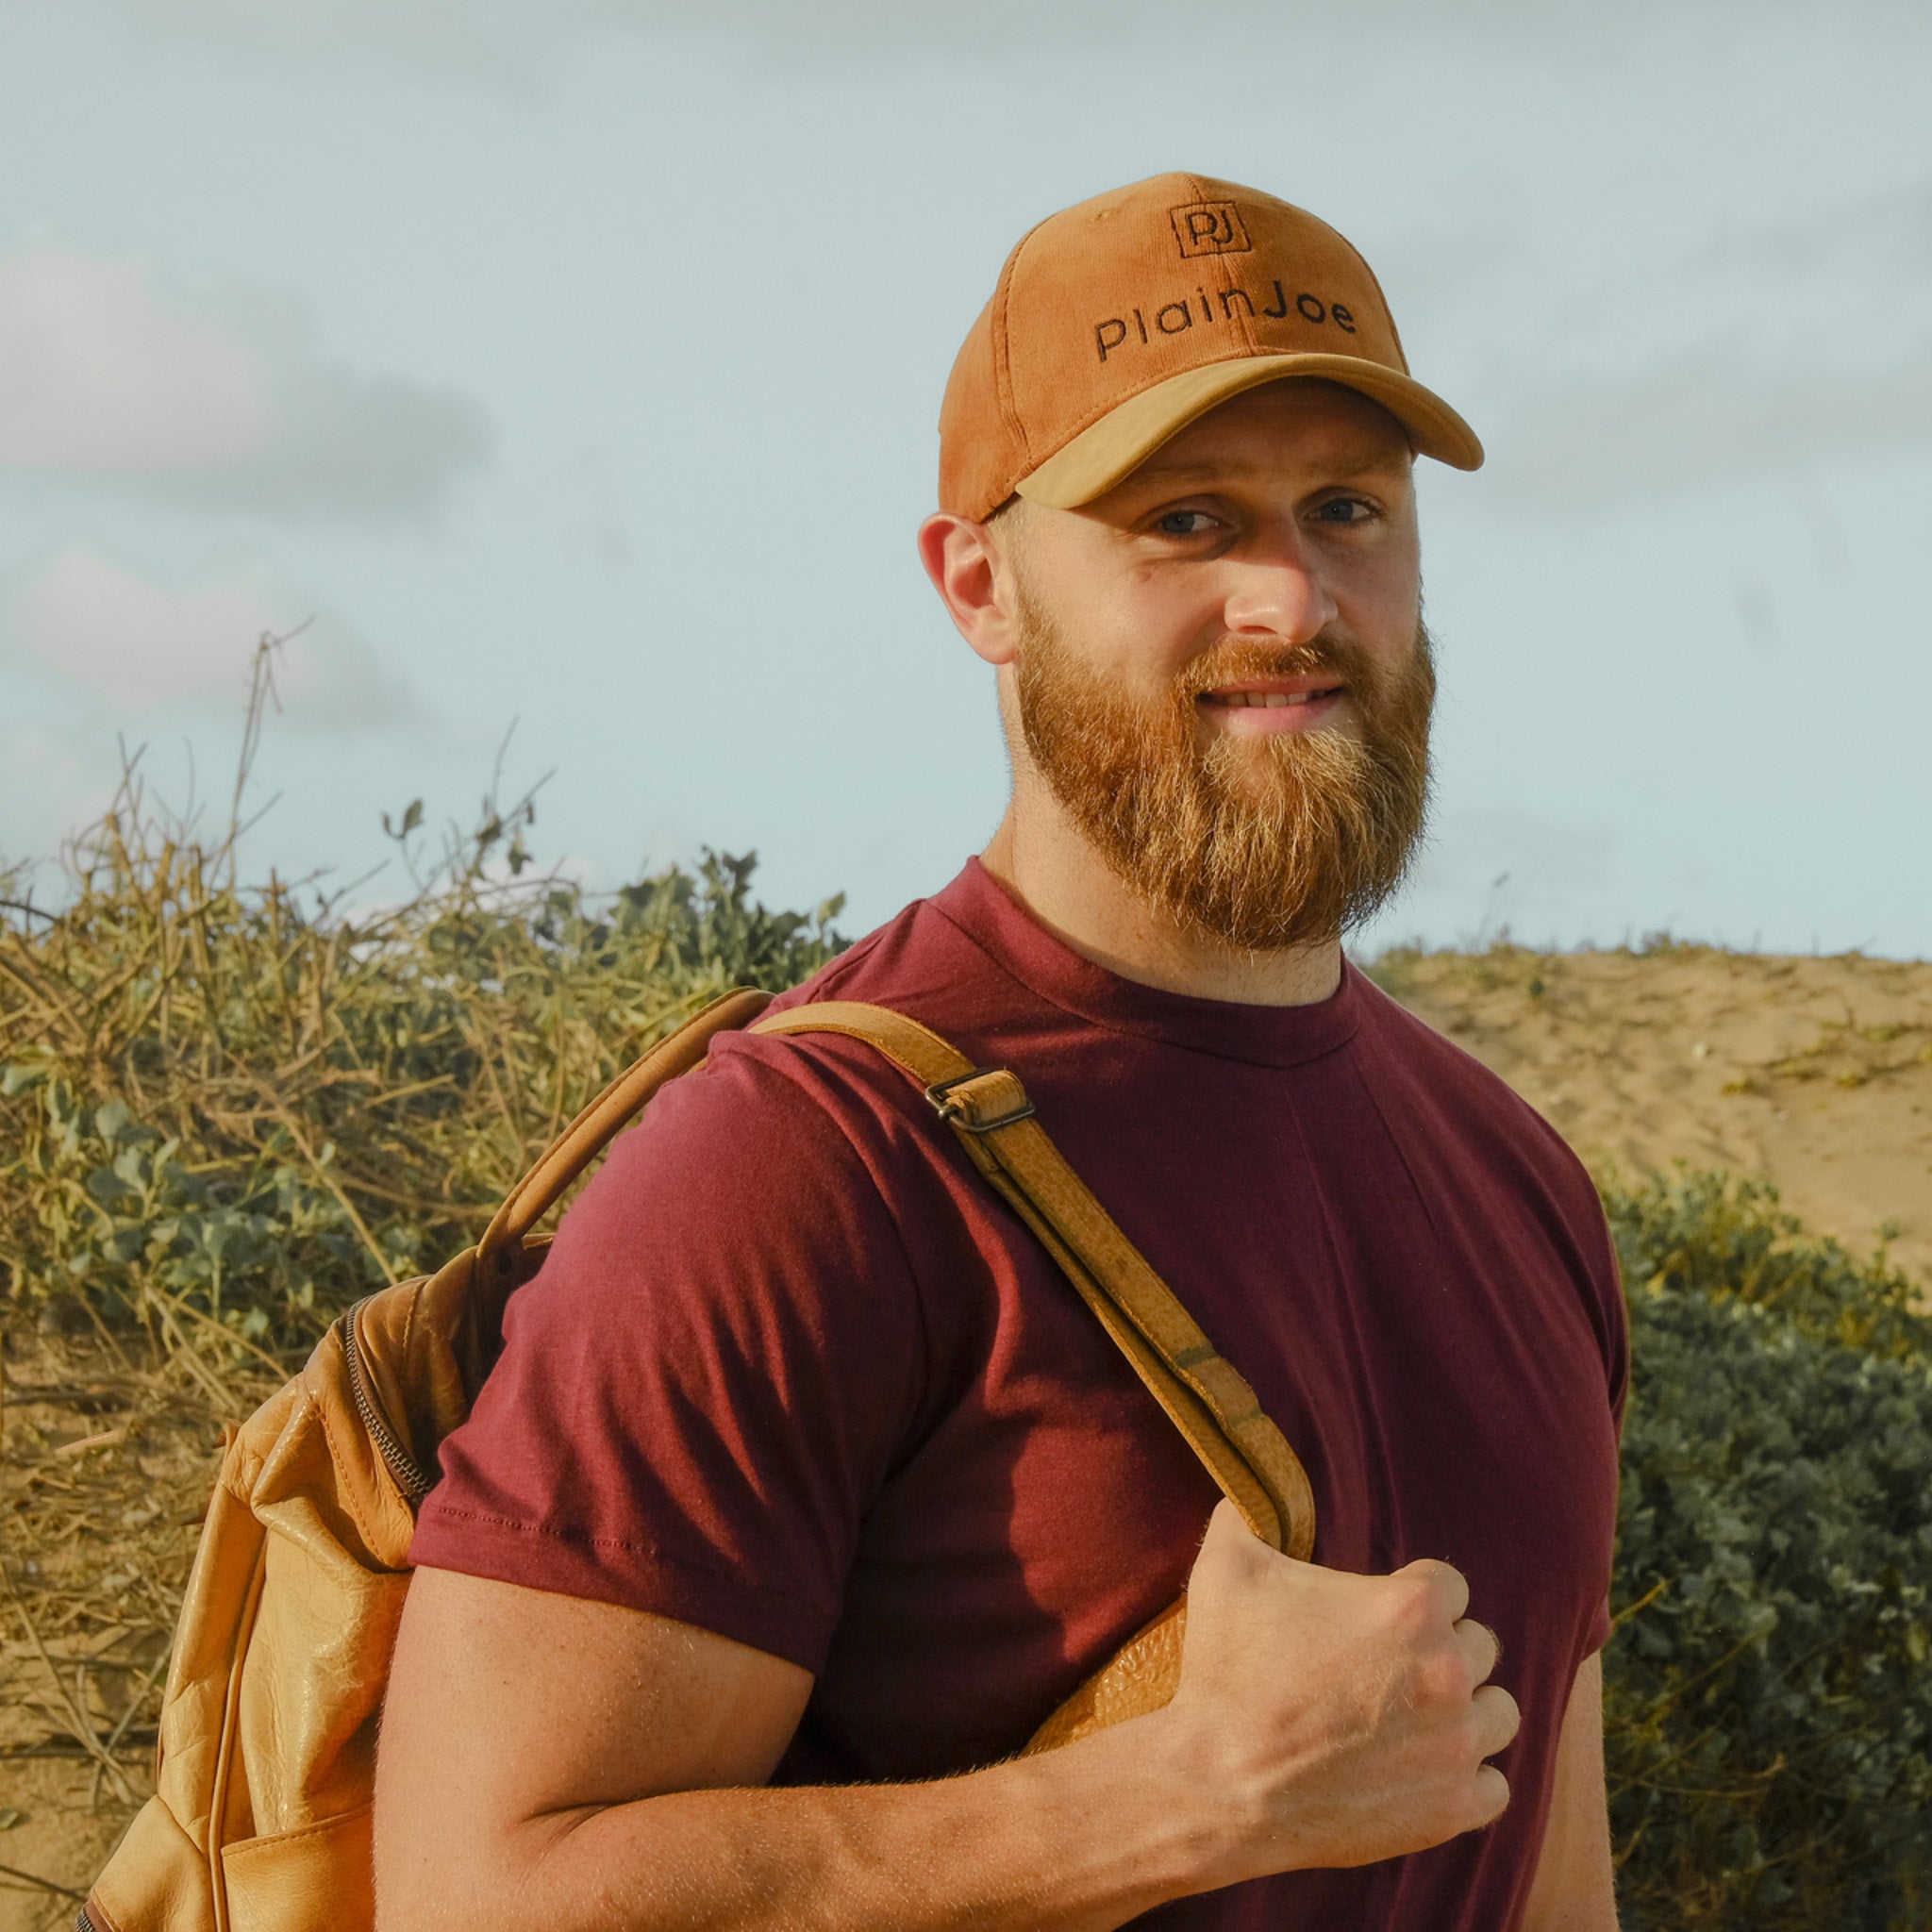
{"points": [[1277, 703], [1269, 698]]}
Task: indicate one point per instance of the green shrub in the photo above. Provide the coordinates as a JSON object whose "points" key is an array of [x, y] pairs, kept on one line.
{"points": [[228, 1111], [1768, 1685]]}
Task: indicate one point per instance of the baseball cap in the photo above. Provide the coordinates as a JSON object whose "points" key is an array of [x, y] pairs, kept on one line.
{"points": [[1116, 322]]}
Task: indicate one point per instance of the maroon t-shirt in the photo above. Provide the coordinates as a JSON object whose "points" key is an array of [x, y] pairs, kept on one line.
{"points": [[794, 1374]]}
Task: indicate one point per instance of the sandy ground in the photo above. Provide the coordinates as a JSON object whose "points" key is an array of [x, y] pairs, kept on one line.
{"points": [[106, 1472], [62, 1833], [1817, 1072]]}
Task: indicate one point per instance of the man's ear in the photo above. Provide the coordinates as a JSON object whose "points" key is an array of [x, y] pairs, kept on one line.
{"points": [[971, 567]]}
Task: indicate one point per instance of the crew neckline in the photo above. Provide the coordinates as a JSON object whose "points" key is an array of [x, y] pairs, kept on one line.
{"points": [[985, 912]]}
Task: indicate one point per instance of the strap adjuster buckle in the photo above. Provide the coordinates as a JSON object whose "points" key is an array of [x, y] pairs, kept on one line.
{"points": [[958, 1111]]}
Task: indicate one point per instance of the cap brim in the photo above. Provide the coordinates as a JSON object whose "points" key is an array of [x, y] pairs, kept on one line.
{"points": [[1106, 452]]}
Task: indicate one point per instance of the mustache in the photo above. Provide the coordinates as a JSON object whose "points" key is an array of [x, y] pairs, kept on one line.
{"points": [[1326, 654]]}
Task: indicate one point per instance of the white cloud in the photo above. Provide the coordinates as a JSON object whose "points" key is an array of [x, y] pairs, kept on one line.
{"points": [[96, 372], [137, 643], [131, 640], [111, 375]]}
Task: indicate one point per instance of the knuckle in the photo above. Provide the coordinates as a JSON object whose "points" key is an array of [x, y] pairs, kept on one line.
{"points": [[1441, 1679], [1431, 1591], [1413, 1600], [1441, 1576]]}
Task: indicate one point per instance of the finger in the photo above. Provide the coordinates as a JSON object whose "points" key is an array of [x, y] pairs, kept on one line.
{"points": [[1451, 1586], [1497, 1718], [1480, 1646], [1491, 1795]]}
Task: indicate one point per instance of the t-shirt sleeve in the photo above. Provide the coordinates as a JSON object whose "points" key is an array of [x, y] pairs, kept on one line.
{"points": [[706, 1385]]}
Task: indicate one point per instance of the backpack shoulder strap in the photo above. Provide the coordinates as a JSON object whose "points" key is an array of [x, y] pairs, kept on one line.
{"points": [[1204, 1394], [600, 1121]]}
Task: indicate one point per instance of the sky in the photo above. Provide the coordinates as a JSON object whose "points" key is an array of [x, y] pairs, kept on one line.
{"points": [[570, 370]]}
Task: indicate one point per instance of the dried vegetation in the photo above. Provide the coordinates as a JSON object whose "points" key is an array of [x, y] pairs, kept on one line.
{"points": [[226, 1112]]}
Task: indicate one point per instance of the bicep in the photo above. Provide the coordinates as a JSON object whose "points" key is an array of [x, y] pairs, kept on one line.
{"points": [[1574, 1890], [508, 1707], [721, 1363]]}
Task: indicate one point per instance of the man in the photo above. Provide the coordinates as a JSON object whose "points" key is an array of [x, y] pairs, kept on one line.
{"points": [[807, 1487]]}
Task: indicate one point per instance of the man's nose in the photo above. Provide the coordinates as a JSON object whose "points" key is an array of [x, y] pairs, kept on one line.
{"points": [[1278, 592]]}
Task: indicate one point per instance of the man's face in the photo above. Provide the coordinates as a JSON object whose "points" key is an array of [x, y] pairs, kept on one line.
{"points": [[1223, 672]]}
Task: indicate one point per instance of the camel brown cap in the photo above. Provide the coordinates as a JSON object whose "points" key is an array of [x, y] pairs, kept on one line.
{"points": [[1120, 320]]}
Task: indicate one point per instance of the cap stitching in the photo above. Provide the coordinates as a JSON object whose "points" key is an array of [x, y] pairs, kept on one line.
{"points": [[1243, 320], [1374, 282], [1244, 325], [1002, 365]]}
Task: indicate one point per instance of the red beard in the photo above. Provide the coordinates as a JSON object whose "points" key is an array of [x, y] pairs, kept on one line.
{"points": [[1265, 841]]}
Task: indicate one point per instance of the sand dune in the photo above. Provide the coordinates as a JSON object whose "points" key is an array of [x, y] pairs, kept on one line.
{"points": [[1816, 1072]]}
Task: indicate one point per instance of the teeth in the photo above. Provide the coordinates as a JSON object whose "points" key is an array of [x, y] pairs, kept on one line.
{"points": [[1271, 700]]}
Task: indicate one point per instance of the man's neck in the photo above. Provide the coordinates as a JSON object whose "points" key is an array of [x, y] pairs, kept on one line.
{"points": [[1042, 858]]}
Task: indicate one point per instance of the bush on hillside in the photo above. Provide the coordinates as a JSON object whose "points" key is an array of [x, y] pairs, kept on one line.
{"points": [[230, 1110], [1769, 1700]]}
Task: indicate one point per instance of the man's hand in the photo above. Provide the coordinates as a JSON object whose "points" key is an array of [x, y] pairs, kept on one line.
{"points": [[1344, 1718]]}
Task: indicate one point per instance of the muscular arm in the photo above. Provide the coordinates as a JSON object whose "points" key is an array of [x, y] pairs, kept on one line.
{"points": [[548, 1762], [555, 1764], [1575, 1887]]}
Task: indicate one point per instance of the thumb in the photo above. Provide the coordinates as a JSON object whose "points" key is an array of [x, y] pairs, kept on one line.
{"points": [[1230, 1547], [1226, 1527]]}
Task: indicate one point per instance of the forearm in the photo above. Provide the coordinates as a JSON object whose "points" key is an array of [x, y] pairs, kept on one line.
{"points": [[1575, 1887], [1074, 1840]]}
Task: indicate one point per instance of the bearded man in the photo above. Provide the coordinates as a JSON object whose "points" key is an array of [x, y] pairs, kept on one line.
{"points": [[807, 1487]]}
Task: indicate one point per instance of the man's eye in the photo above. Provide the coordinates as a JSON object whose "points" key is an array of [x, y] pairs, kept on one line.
{"points": [[1344, 509], [1183, 523]]}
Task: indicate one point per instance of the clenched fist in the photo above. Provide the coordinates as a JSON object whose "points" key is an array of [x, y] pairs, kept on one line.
{"points": [[1344, 1718]]}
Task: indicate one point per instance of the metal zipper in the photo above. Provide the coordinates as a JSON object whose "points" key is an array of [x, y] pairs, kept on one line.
{"points": [[82, 1923], [408, 1474]]}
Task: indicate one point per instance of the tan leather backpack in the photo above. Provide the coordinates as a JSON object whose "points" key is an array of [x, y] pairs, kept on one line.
{"points": [[267, 1752]]}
